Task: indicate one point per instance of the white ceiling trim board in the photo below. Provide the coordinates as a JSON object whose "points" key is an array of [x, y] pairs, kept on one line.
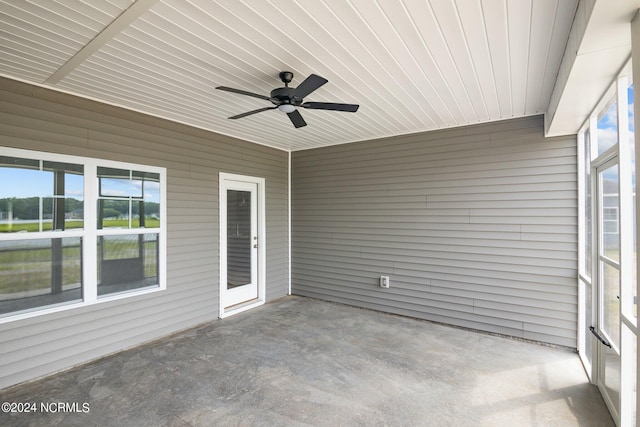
{"points": [[133, 12]]}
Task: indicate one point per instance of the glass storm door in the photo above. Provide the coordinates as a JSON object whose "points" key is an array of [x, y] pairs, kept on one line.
{"points": [[240, 266], [607, 329]]}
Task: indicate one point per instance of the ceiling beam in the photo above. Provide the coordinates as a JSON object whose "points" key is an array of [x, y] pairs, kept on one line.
{"points": [[598, 47], [132, 13]]}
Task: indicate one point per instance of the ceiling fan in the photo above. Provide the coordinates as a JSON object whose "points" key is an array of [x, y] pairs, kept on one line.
{"points": [[288, 99]]}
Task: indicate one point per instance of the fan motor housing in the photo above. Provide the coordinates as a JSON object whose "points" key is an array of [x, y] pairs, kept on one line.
{"points": [[284, 95]]}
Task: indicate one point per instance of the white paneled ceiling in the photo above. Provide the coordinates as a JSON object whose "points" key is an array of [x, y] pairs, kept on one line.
{"points": [[412, 65]]}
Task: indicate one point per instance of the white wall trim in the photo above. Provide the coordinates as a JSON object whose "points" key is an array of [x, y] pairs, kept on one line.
{"points": [[635, 58], [289, 215]]}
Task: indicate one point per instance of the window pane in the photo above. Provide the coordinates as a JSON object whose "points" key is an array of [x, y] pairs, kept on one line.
{"points": [[114, 213], [128, 199], [39, 272], [21, 206], [125, 187], [74, 213], [118, 183], [50, 195], [127, 262], [152, 203], [608, 129]]}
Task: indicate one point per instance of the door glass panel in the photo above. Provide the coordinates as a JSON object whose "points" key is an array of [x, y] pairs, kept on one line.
{"points": [[629, 385], [609, 214], [611, 304], [612, 375], [238, 238]]}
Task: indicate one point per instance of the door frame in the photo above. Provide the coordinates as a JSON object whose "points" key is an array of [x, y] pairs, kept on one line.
{"points": [[224, 180]]}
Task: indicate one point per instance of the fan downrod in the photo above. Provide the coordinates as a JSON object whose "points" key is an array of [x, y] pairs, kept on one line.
{"points": [[286, 77]]}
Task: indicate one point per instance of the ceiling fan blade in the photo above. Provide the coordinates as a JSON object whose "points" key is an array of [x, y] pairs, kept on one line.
{"points": [[243, 92], [309, 84], [248, 113], [296, 119], [352, 108]]}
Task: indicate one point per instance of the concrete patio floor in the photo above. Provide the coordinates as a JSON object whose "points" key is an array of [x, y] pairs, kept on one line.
{"points": [[300, 361]]}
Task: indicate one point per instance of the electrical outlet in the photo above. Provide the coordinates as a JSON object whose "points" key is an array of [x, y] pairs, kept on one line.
{"points": [[384, 282]]}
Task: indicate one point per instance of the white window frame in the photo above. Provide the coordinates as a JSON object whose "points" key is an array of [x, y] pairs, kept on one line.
{"points": [[89, 233], [629, 326]]}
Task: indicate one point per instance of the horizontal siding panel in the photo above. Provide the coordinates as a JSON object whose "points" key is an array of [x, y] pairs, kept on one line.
{"points": [[473, 238], [17, 125], [530, 328], [109, 343], [504, 295], [404, 244], [471, 286], [530, 312], [40, 119], [533, 182], [434, 249], [473, 244], [484, 213], [559, 325], [527, 125], [57, 339], [441, 156], [559, 290], [431, 305], [427, 267], [526, 196], [558, 340], [23, 137], [120, 311], [431, 203], [427, 165], [435, 179], [543, 283], [403, 227]]}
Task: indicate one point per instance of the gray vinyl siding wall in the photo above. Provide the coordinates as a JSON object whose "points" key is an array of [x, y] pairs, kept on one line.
{"points": [[476, 227], [38, 119]]}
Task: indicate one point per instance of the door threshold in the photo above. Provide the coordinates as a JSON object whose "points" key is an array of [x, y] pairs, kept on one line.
{"points": [[239, 308]]}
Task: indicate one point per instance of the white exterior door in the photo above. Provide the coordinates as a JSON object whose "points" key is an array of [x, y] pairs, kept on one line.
{"points": [[241, 243], [607, 328]]}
